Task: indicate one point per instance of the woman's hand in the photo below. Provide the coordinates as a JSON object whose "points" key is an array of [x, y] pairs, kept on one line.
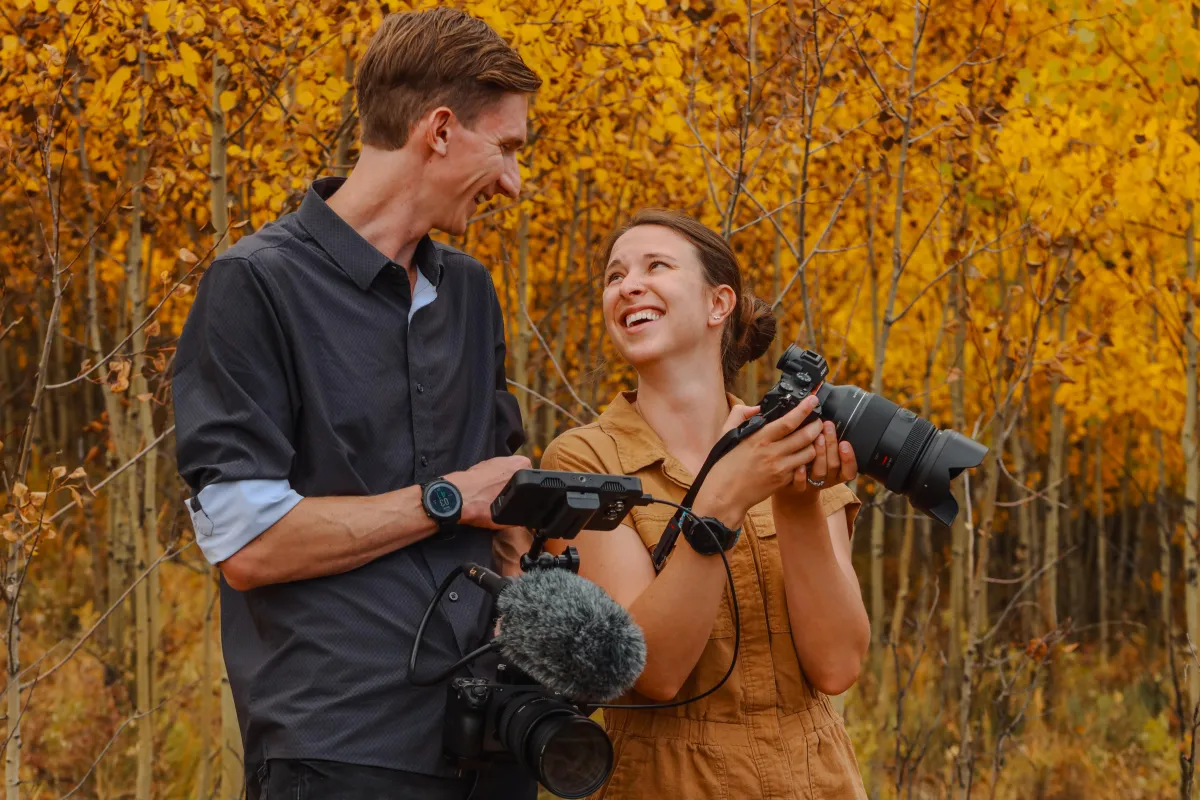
{"points": [[762, 464], [834, 463]]}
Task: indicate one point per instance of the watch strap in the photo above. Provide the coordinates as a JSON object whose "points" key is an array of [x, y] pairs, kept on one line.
{"points": [[699, 533]]}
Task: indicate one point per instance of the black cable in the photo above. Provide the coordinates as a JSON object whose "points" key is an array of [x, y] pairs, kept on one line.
{"points": [[445, 673], [737, 625]]}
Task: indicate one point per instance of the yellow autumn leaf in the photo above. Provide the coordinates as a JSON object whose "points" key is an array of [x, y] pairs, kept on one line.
{"points": [[116, 82], [187, 64], [159, 15], [228, 100], [65, 7]]}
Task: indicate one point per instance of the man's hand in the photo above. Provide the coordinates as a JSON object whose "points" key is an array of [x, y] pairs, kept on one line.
{"points": [[481, 484]]}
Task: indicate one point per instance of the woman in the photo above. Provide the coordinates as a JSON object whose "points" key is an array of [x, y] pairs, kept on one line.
{"points": [[675, 310]]}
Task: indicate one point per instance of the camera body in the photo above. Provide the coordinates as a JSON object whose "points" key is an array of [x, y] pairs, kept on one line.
{"points": [[515, 719], [473, 706], [802, 374]]}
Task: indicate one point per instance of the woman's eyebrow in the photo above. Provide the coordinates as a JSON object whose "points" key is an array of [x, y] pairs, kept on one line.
{"points": [[650, 256]]}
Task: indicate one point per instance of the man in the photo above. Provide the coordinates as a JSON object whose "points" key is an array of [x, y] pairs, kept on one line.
{"points": [[344, 424]]}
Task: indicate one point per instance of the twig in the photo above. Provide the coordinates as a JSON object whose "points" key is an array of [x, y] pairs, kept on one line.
{"points": [[121, 729], [117, 471], [547, 401], [116, 604]]}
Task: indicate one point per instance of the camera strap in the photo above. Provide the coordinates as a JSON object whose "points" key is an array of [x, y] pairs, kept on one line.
{"points": [[666, 542]]}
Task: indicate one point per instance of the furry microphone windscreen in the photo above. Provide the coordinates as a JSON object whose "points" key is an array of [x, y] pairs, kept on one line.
{"points": [[566, 633]]}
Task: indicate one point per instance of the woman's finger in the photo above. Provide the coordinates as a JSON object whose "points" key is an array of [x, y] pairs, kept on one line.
{"points": [[820, 469], [832, 460], [849, 462]]}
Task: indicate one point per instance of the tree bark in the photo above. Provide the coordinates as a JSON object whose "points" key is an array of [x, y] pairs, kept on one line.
{"points": [[1101, 540], [233, 777], [1191, 457], [1049, 593]]}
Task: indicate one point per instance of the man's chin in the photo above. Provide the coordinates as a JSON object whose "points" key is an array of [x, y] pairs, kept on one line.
{"points": [[455, 228]]}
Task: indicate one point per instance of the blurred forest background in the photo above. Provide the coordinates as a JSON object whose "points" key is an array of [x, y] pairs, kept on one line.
{"points": [[983, 209]]}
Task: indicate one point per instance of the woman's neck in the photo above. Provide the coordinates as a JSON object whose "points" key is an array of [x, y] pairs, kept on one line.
{"points": [[686, 409]]}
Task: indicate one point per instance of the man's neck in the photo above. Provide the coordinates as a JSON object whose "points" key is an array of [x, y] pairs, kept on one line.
{"points": [[686, 408], [380, 202]]}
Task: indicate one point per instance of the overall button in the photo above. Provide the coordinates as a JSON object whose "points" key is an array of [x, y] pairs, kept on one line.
{"points": [[420, 388], [424, 461], [453, 596]]}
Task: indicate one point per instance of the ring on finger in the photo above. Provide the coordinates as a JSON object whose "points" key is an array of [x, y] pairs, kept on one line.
{"points": [[816, 483]]}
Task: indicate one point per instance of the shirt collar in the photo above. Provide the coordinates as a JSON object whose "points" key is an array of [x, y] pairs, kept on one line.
{"points": [[638, 446], [353, 254]]}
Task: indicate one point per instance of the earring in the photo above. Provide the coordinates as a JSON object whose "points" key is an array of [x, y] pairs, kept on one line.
{"points": [[716, 316]]}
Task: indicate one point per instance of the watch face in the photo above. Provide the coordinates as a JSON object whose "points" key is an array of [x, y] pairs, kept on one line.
{"points": [[443, 500]]}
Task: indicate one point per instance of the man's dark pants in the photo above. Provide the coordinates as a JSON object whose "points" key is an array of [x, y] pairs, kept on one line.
{"points": [[332, 780]]}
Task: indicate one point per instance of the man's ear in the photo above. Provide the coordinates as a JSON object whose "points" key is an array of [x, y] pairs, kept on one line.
{"points": [[438, 125]]}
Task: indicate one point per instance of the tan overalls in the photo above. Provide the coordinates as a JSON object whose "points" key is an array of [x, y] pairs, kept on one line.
{"points": [[766, 733]]}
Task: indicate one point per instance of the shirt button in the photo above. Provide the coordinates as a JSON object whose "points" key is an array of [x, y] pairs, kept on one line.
{"points": [[424, 461], [453, 596], [420, 388]]}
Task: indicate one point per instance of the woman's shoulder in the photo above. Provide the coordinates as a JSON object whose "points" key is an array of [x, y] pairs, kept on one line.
{"points": [[584, 449]]}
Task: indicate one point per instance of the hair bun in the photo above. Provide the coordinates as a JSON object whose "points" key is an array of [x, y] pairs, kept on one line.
{"points": [[757, 328]]}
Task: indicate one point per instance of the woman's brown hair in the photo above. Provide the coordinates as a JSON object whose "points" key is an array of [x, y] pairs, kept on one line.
{"points": [[750, 329]]}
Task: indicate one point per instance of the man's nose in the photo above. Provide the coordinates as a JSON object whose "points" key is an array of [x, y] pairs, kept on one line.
{"points": [[510, 179]]}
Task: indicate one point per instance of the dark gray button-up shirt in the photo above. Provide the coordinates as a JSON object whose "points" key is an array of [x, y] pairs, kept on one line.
{"points": [[298, 363]]}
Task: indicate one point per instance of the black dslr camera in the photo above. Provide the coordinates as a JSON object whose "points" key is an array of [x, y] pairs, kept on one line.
{"points": [[892, 444], [514, 718]]}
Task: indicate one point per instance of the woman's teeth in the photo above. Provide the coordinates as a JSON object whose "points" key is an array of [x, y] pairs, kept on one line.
{"points": [[639, 316]]}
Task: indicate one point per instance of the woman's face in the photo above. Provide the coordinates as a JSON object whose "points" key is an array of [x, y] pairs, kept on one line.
{"points": [[657, 303]]}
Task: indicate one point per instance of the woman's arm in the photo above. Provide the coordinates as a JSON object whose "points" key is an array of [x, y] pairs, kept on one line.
{"points": [[675, 609], [830, 627], [678, 607]]}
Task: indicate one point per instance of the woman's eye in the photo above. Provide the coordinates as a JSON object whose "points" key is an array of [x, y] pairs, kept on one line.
{"points": [[654, 264], [611, 276]]}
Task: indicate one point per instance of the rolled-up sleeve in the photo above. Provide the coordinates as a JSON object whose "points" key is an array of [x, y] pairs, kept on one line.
{"points": [[233, 410]]}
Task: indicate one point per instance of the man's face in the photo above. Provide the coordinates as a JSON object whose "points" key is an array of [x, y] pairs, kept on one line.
{"points": [[479, 162]]}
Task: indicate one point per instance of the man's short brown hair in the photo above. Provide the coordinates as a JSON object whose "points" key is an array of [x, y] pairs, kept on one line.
{"points": [[420, 60]]}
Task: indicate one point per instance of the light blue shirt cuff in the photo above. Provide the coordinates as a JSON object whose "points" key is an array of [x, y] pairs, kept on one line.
{"points": [[232, 514]]}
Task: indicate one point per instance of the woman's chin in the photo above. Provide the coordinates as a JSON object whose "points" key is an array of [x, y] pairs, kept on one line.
{"points": [[639, 353]]}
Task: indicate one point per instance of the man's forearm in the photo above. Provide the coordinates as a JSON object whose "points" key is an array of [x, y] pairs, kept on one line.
{"points": [[329, 535]]}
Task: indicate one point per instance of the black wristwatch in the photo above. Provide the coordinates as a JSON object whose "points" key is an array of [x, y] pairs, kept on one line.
{"points": [[700, 536], [443, 502]]}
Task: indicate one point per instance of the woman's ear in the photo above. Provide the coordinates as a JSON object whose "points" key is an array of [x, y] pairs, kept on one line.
{"points": [[723, 302]]}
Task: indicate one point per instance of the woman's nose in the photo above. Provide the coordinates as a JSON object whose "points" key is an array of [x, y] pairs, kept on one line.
{"points": [[631, 286]]}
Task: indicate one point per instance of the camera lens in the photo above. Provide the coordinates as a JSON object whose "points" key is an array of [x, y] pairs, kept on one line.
{"points": [[900, 449], [570, 754], [892, 444], [573, 753]]}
